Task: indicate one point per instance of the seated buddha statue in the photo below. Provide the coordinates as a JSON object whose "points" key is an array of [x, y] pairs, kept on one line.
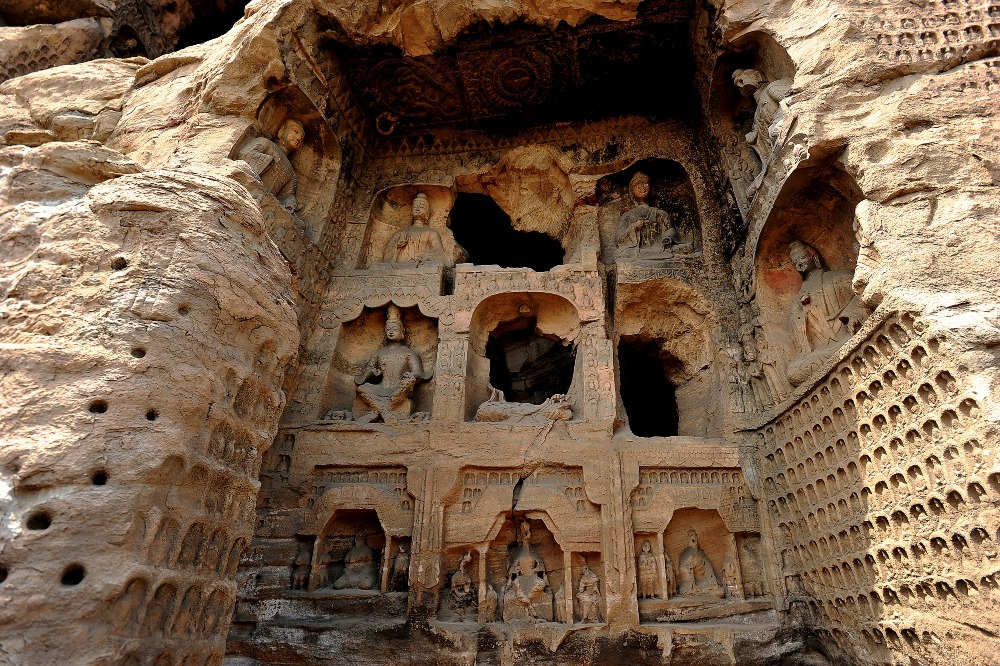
{"points": [[359, 568], [695, 573], [417, 244]]}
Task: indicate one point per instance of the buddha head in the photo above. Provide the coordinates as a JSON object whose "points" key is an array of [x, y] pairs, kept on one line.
{"points": [[421, 211], [640, 187], [291, 134], [804, 257], [394, 331], [645, 546], [748, 81]]}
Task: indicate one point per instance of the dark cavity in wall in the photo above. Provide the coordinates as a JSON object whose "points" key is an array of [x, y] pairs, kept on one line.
{"points": [[646, 392], [485, 231], [526, 366], [213, 19]]}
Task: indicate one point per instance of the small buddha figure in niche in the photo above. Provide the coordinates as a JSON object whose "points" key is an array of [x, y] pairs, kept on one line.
{"points": [[269, 161], [645, 231], [647, 572], [695, 573], [300, 568], [588, 595], [527, 583], [417, 244], [388, 381], [461, 597], [359, 567], [768, 114], [731, 578], [400, 574], [668, 568], [824, 313]]}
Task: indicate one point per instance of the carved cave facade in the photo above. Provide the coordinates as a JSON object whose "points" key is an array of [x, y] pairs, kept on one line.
{"points": [[573, 365]]}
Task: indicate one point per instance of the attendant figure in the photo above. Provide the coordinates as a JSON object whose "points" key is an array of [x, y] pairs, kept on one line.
{"points": [[269, 161], [648, 573]]}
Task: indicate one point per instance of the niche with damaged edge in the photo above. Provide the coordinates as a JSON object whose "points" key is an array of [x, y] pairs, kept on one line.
{"points": [[647, 394], [485, 231]]}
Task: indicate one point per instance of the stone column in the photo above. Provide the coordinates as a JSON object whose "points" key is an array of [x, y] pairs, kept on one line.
{"points": [[662, 568], [385, 564], [568, 577], [145, 337]]}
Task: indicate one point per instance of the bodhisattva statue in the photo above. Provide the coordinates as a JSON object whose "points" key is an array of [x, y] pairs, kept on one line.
{"points": [[647, 572], [359, 567], [588, 595], [400, 575], [645, 231], [392, 373], [768, 115], [527, 583], [269, 161], [695, 573], [668, 568], [824, 313], [417, 244]]}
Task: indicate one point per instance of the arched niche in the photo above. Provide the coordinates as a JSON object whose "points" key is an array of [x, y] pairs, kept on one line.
{"points": [[358, 342], [537, 333], [714, 539], [502, 553], [317, 163], [669, 324], [732, 111], [392, 210], [671, 191], [344, 530], [815, 207]]}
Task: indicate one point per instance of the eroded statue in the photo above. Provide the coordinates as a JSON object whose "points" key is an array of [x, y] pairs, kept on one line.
{"points": [[559, 407], [359, 568], [301, 567], [768, 115], [695, 573], [731, 578], [461, 596], [527, 594], [417, 244], [588, 595], [646, 232], [400, 574], [269, 161], [393, 372], [668, 568], [824, 313], [647, 572]]}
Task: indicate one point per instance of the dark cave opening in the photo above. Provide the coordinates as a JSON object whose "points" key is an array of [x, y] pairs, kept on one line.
{"points": [[648, 396], [527, 366], [485, 231]]}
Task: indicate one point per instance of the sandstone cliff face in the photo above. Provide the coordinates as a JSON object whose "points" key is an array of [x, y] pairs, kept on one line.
{"points": [[133, 428], [155, 294]]}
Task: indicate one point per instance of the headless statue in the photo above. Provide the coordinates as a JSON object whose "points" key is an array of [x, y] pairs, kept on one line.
{"points": [[696, 575], [767, 116], [392, 373], [359, 567], [269, 161], [400, 573]]}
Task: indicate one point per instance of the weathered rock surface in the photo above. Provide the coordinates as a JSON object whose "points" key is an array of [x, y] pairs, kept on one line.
{"points": [[776, 366]]}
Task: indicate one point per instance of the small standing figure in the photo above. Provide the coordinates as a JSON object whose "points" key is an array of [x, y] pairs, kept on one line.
{"points": [[647, 572], [668, 568], [300, 568], [386, 384], [731, 578], [400, 574], [644, 231], [269, 161], [767, 116], [588, 595]]}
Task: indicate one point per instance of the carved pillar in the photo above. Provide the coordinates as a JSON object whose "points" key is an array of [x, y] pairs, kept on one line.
{"points": [[449, 379], [662, 566], [428, 530], [568, 585], [618, 544], [384, 587], [481, 549]]}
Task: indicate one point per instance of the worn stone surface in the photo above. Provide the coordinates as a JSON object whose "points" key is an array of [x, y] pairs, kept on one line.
{"points": [[510, 361]]}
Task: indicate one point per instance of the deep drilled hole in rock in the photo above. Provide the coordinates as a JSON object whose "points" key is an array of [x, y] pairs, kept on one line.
{"points": [[98, 407], [38, 521], [99, 478], [3, 574], [73, 575], [138, 352], [119, 263], [151, 415]]}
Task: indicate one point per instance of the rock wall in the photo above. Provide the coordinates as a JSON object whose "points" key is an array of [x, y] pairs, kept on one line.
{"points": [[189, 239]]}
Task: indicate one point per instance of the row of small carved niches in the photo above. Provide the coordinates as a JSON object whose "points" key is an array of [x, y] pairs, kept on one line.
{"points": [[936, 31], [883, 482], [508, 544]]}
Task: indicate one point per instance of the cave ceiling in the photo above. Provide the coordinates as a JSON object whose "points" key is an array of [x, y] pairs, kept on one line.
{"points": [[506, 77]]}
